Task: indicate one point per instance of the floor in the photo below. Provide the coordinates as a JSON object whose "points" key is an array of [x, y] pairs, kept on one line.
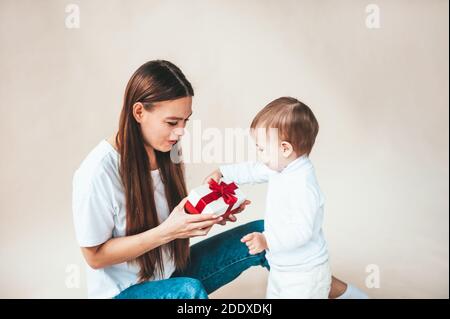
{"points": [[251, 284]]}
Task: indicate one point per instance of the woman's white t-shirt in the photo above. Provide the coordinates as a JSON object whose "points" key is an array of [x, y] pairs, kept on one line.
{"points": [[99, 212]]}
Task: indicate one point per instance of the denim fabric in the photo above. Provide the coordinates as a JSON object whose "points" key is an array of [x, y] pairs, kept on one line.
{"points": [[213, 263]]}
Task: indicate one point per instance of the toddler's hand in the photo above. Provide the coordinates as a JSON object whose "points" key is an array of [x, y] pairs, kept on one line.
{"points": [[216, 175], [256, 242]]}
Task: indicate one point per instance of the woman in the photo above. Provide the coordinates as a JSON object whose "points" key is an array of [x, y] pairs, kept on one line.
{"points": [[128, 199]]}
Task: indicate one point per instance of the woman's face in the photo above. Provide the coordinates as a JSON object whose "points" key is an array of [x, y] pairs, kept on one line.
{"points": [[163, 125]]}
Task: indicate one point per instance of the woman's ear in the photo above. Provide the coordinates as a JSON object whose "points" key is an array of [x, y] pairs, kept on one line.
{"points": [[138, 111], [286, 149]]}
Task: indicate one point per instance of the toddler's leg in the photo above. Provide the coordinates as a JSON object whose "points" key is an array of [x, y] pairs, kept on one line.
{"points": [[273, 290]]}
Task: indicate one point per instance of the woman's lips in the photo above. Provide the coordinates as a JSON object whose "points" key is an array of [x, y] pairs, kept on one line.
{"points": [[173, 141]]}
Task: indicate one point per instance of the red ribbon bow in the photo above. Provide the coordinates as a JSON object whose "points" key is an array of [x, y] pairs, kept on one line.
{"points": [[224, 190]]}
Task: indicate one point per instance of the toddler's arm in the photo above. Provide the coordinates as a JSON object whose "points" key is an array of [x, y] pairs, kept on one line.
{"points": [[246, 172], [295, 224]]}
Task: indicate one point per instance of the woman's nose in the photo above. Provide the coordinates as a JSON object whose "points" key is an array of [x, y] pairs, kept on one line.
{"points": [[179, 131]]}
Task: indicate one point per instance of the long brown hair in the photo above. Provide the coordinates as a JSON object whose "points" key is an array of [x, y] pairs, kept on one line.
{"points": [[154, 81]]}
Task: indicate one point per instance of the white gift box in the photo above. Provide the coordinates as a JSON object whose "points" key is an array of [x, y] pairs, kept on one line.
{"points": [[218, 206]]}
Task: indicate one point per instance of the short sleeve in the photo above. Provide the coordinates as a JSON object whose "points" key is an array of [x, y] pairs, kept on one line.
{"points": [[93, 211]]}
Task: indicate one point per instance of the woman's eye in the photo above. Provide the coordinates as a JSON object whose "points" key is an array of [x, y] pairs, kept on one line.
{"points": [[172, 123]]}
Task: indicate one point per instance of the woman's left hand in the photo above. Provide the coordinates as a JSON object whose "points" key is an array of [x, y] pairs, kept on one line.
{"points": [[231, 217]]}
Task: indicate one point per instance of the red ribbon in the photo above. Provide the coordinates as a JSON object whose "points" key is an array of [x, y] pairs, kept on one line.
{"points": [[224, 190]]}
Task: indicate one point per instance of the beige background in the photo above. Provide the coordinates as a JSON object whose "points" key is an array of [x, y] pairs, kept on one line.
{"points": [[380, 95]]}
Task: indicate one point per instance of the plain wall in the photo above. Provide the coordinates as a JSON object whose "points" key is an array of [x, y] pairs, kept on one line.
{"points": [[380, 96]]}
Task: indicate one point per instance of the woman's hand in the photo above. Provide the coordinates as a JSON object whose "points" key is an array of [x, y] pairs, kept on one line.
{"points": [[216, 176], [231, 217], [122, 249], [179, 224]]}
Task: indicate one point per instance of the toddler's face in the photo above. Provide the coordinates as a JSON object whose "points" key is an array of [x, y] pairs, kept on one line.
{"points": [[268, 147]]}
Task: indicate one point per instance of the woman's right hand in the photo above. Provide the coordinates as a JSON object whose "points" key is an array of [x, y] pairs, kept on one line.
{"points": [[180, 224]]}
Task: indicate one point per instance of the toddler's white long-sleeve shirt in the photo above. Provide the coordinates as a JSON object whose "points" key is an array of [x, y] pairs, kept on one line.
{"points": [[294, 212]]}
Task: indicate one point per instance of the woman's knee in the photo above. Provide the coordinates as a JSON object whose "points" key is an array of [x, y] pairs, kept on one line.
{"points": [[251, 227], [191, 288], [254, 226]]}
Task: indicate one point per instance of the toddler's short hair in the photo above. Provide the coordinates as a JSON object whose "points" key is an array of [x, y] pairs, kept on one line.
{"points": [[294, 120]]}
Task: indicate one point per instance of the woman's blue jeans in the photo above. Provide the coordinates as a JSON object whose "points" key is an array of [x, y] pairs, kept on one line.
{"points": [[214, 262]]}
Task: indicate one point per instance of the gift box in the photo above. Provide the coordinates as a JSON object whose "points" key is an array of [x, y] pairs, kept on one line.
{"points": [[215, 198]]}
